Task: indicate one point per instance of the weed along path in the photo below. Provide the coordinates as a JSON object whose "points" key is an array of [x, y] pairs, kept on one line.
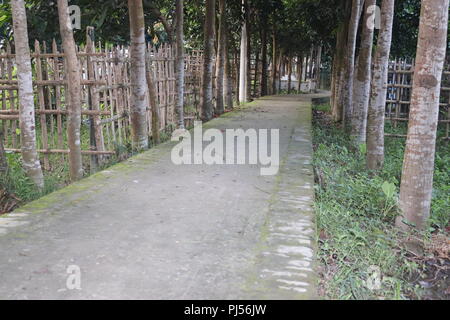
{"points": [[150, 229]]}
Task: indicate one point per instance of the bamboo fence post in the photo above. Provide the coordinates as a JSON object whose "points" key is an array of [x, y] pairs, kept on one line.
{"points": [[41, 101]]}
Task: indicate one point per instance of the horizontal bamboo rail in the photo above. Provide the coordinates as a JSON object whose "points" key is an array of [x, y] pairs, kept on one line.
{"points": [[105, 95], [49, 151], [400, 84]]}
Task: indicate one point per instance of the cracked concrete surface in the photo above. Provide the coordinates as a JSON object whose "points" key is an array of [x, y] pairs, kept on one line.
{"points": [[148, 229]]}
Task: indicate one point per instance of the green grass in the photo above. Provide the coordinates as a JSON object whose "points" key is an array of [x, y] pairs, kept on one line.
{"points": [[18, 183], [355, 216]]}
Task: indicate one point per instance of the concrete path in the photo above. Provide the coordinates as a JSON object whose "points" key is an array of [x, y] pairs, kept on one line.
{"points": [[148, 229]]}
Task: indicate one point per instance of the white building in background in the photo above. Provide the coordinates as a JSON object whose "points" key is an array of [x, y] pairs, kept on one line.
{"points": [[306, 86]]}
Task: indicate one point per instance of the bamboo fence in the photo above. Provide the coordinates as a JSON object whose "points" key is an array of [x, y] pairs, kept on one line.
{"points": [[400, 81], [105, 73]]}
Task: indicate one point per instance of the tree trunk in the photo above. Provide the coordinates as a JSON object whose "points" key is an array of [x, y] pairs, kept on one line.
{"points": [[264, 62], [220, 78], [318, 64], [350, 63], [30, 156], [289, 74], [361, 83], [311, 64], [138, 107], [418, 165], [341, 47], [153, 97], [339, 66], [299, 72], [208, 61], [96, 129], [73, 100], [256, 76], [180, 62], [377, 102], [249, 52], [333, 81], [228, 81], [243, 69], [280, 70], [274, 64], [236, 73], [166, 24]]}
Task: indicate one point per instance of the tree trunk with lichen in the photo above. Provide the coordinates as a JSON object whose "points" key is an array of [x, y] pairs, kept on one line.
{"points": [[180, 63], [228, 81], [208, 61], [138, 82], [30, 156], [337, 106], [243, 65], [377, 101], [73, 100], [418, 165], [361, 83], [220, 72], [347, 85]]}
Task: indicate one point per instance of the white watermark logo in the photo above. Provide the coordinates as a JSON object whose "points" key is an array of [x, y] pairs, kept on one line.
{"points": [[74, 17], [374, 21], [373, 282], [74, 279], [223, 144]]}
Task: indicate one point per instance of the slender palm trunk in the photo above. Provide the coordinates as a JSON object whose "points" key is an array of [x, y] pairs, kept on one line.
{"points": [[73, 91], [220, 72], [418, 165], [377, 102], [180, 62], [361, 83], [208, 57], [138, 82]]}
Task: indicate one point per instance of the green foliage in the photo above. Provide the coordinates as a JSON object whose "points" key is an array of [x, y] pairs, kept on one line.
{"points": [[109, 17], [355, 215], [395, 148], [17, 182], [322, 107]]}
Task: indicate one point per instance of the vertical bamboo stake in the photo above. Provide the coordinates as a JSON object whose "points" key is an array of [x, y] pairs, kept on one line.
{"points": [[41, 101], [4, 107], [96, 134], [11, 99], [153, 102], [57, 76]]}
